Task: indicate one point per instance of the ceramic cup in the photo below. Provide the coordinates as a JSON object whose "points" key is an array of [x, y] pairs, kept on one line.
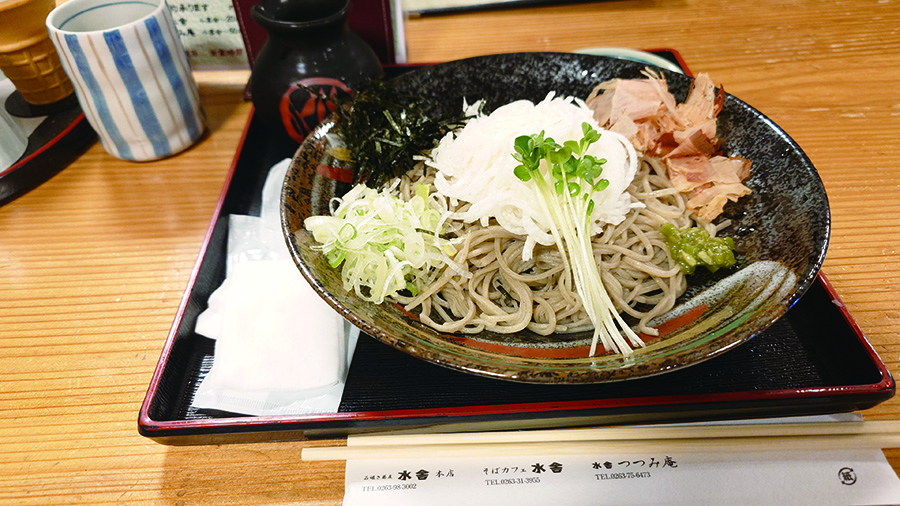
{"points": [[131, 75], [27, 57]]}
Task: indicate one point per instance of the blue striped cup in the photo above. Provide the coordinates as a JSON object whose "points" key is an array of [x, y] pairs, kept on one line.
{"points": [[131, 75]]}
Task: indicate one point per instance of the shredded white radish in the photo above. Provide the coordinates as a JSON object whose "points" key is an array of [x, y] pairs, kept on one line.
{"points": [[475, 165]]}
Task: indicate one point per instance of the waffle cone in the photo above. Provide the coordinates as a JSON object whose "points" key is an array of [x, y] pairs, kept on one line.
{"points": [[27, 57]]}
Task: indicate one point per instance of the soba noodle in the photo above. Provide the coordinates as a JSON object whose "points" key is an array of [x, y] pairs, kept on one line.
{"points": [[505, 294]]}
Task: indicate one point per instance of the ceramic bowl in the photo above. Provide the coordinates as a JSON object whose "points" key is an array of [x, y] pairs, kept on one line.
{"points": [[781, 233]]}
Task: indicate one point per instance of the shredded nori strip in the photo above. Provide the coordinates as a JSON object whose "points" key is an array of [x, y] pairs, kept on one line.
{"points": [[385, 129]]}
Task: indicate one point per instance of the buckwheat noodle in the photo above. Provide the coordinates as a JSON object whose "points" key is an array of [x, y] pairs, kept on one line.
{"points": [[505, 294]]}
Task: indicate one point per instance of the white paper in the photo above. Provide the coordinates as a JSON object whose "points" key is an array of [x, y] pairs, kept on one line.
{"points": [[210, 33], [857, 477], [277, 333], [209, 395], [280, 349], [27, 125]]}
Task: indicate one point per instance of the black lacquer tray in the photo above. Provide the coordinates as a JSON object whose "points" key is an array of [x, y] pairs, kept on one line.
{"points": [[62, 136], [814, 360]]}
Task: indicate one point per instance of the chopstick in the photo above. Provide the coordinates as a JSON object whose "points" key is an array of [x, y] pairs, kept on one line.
{"points": [[703, 438]]}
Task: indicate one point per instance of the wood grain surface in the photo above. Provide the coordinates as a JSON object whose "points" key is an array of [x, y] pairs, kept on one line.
{"points": [[94, 262]]}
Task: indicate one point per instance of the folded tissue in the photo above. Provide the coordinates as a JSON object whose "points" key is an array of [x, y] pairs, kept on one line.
{"points": [[280, 349], [13, 136]]}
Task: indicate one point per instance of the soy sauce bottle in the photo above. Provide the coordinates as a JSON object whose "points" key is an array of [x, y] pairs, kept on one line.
{"points": [[310, 57]]}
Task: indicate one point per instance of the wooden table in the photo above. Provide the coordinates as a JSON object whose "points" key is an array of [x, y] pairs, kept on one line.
{"points": [[93, 263]]}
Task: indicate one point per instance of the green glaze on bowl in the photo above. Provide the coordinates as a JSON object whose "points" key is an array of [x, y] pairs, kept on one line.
{"points": [[781, 234]]}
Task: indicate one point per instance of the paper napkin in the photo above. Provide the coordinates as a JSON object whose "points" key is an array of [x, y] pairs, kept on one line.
{"points": [[280, 349]]}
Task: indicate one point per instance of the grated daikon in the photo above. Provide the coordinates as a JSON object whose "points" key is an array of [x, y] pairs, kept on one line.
{"points": [[474, 165]]}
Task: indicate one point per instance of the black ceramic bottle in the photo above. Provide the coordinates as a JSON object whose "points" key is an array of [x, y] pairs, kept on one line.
{"points": [[309, 47]]}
